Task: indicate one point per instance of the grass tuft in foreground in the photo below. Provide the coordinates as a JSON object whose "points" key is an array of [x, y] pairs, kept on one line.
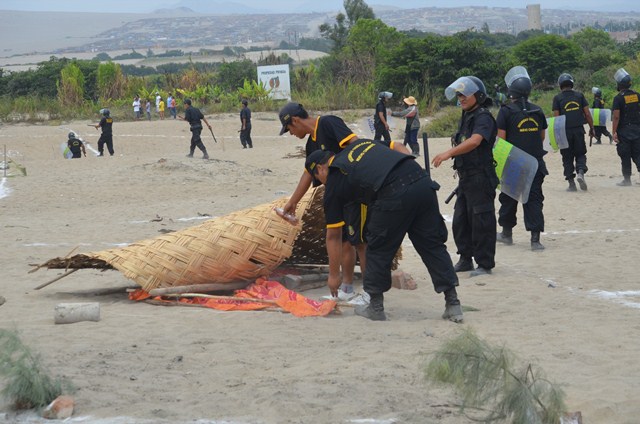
{"points": [[27, 384], [493, 385]]}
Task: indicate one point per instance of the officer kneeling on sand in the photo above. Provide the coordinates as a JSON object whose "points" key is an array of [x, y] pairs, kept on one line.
{"points": [[76, 146], [402, 200]]}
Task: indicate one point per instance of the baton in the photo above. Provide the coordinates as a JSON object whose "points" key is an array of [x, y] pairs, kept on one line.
{"points": [[425, 152], [214, 138], [453, 193]]}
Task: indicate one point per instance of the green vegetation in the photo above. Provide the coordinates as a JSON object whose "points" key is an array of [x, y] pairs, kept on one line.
{"points": [[493, 385], [365, 56], [27, 384]]}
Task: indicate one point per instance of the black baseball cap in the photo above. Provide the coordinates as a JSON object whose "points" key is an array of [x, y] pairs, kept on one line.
{"points": [[287, 112], [317, 157]]}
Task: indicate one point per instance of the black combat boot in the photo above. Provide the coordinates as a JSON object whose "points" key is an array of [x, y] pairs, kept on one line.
{"points": [[480, 271], [581, 181], [452, 307], [535, 241], [506, 236], [415, 150], [572, 185], [626, 182], [374, 310], [464, 264], [205, 155]]}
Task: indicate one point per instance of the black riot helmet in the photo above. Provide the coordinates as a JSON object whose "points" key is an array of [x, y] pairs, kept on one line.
{"points": [[623, 79], [518, 83], [105, 112], [565, 80], [520, 88], [625, 83], [467, 86], [72, 135], [596, 92], [481, 95]]}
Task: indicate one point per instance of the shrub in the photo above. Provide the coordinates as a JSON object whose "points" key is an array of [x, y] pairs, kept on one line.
{"points": [[28, 385]]}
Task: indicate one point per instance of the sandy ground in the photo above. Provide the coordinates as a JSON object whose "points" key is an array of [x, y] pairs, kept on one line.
{"points": [[573, 309]]}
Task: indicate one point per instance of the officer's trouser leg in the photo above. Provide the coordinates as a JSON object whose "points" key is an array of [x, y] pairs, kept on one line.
{"points": [[507, 213], [567, 163], [624, 151], [533, 216], [428, 233]]}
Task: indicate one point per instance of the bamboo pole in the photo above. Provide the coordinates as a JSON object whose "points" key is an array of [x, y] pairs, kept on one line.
{"points": [[56, 279], [195, 305], [213, 287], [234, 298]]}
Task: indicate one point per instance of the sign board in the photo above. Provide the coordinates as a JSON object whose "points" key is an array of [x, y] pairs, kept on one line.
{"points": [[276, 79]]}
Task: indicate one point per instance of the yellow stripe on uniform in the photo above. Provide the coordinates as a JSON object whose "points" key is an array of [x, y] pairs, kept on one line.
{"points": [[346, 140], [363, 220], [337, 225]]}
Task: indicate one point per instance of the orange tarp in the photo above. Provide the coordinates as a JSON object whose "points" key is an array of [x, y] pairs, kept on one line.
{"points": [[262, 289]]}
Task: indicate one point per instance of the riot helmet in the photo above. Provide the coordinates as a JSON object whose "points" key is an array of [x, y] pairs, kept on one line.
{"points": [[565, 80], [467, 86], [623, 79], [596, 91], [385, 95], [518, 83], [72, 135], [105, 112]]}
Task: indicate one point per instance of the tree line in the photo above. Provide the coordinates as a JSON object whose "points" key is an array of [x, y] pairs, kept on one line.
{"points": [[365, 56]]}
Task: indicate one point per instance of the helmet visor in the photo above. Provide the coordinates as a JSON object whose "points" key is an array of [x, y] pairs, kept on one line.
{"points": [[463, 85], [595, 90], [620, 75], [515, 73]]}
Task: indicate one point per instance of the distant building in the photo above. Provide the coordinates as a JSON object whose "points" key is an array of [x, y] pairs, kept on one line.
{"points": [[534, 19]]}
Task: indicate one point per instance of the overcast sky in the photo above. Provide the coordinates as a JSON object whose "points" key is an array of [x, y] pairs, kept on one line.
{"points": [[283, 6]]}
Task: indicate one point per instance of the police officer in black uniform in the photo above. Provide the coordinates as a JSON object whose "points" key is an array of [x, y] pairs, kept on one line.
{"points": [[402, 200], [380, 123], [523, 124], [76, 146], [328, 133], [474, 220], [245, 131], [106, 123], [194, 117], [599, 130], [626, 125], [575, 107]]}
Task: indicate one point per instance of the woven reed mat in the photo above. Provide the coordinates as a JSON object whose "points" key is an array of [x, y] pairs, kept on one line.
{"points": [[240, 246]]}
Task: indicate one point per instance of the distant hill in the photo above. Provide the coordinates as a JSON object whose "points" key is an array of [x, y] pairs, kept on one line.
{"points": [[199, 23], [174, 11]]}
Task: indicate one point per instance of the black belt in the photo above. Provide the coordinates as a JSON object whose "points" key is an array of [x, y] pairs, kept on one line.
{"points": [[402, 181]]}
